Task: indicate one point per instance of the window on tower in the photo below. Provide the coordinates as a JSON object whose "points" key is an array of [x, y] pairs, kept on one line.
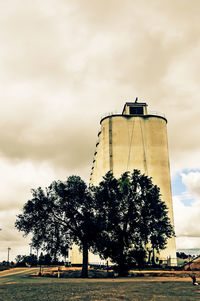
{"points": [[136, 110]]}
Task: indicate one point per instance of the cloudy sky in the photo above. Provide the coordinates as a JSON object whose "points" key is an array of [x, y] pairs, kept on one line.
{"points": [[64, 64]]}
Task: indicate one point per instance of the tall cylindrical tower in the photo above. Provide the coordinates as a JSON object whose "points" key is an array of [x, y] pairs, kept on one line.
{"points": [[136, 140]]}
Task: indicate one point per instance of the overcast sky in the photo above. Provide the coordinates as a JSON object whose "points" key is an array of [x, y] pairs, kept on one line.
{"points": [[64, 64]]}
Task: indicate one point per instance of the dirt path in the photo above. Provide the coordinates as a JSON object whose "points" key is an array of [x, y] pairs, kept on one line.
{"points": [[16, 271]]}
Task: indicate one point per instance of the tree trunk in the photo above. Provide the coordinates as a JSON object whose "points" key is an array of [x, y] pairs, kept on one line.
{"points": [[122, 267], [123, 270], [84, 273], [153, 257]]}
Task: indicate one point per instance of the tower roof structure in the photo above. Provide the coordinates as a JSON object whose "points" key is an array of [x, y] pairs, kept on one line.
{"points": [[135, 108]]}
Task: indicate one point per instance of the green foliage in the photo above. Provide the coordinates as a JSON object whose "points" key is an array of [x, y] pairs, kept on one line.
{"points": [[59, 216], [26, 260], [38, 218], [116, 219], [45, 259], [131, 215], [182, 255], [75, 209]]}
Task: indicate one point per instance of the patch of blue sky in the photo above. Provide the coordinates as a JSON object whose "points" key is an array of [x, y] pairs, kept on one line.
{"points": [[187, 199], [187, 203], [180, 189]]}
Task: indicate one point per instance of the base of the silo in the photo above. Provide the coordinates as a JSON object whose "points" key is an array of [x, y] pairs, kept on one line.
{"points": [[76, 258]]}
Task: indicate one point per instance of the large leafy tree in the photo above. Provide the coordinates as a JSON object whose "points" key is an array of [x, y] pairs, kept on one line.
{"points": [[59, 216], [117, 219], [76, 209], [132, 216], [38, 218]]}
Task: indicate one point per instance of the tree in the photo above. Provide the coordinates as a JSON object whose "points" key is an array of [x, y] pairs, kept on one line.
{"points": [[59, 216], [132, 216], [24, 260], [38, 219], [182, 255], [117, 219], [76, 209]]}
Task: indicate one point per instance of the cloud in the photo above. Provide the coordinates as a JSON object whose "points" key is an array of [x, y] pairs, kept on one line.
{"points": [[10, 237], [17, 180], [187, 217], [65, 63], [192, 181]]}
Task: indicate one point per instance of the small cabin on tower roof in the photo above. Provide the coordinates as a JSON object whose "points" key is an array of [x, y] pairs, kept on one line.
{"points": [[135, 108]]}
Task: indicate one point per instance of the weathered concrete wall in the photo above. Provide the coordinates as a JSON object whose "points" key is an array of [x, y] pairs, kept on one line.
{"points": [[74, 255], [129, 142]]}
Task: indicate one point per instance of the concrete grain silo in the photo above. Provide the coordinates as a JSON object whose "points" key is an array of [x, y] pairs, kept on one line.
{"points": [[136, 140]]}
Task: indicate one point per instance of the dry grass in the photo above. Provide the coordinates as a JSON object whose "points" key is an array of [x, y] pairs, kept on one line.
{"points": [[75, 272], [100, 290]]}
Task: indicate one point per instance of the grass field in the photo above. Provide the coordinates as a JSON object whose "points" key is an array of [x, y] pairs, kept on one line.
{"points": [[18, 284], [94, 289]]}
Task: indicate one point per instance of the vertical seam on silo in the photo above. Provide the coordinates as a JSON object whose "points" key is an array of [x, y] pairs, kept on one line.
{"points": [[110, 144], [130, 146], [144, 151]]}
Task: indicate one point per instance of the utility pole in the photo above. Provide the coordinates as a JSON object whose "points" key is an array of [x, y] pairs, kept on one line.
{"points": [[31, 249], [8, 254]]}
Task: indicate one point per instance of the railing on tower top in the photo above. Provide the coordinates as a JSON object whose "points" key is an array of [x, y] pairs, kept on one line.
{"points": [[156, 113]]}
